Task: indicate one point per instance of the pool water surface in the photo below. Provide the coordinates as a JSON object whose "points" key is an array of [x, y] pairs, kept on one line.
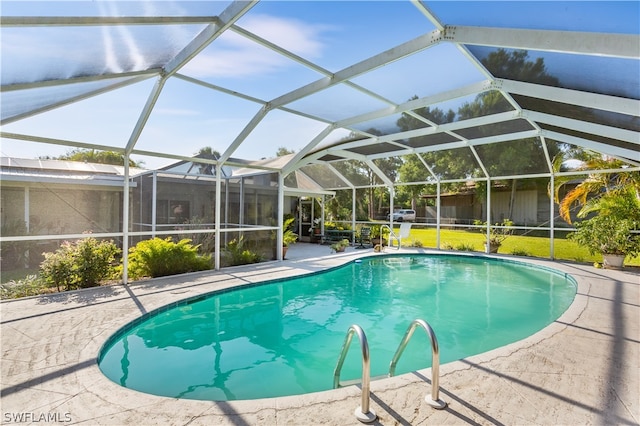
{"points": [[284, 337]]}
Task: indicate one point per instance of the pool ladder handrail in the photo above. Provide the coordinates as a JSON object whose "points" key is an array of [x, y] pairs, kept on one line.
{"points": [[362, 413], [433, 399], [390, 234]]}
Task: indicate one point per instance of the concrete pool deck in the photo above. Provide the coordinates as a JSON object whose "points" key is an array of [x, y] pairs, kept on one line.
{"points": [[582, 369]]}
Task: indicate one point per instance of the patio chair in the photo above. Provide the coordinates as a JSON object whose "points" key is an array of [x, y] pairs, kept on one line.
{"points": [[405, 228], [365, 235]]}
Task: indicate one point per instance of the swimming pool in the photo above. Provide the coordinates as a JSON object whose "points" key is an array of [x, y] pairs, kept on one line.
{"points": [[284, 337]]}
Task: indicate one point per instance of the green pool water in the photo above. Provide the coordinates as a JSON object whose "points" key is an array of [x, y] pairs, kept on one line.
{"points": [[284, 337]]}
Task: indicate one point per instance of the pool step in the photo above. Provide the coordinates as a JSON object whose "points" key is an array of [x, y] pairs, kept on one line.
{"points": [[350, 382]]}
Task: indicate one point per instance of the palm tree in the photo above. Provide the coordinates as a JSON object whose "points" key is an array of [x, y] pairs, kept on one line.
{"points": [[586, 194], [609, 205], [210, 154]]}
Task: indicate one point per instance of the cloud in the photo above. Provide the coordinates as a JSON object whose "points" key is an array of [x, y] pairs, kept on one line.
{"points": [[296, 36], [232, 55]]}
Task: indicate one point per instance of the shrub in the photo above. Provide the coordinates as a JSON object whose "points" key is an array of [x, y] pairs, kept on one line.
{"points": [[338, 226], [236, 254], [158, 258], [415, 243], [79, 264], [520, 252], [465, 247], [340, 246], [498, 232], [608, 235], [204, 241], [17, 254], [31, 285]]}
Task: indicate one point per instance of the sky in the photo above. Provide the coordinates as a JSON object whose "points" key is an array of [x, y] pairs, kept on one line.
{"points": [[187, 117]]}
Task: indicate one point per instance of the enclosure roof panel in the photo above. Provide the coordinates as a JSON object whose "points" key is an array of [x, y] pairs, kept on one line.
{"points": [[342, 85]]}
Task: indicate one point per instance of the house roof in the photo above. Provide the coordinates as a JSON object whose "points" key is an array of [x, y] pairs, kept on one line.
{"points": [[64, 172]]}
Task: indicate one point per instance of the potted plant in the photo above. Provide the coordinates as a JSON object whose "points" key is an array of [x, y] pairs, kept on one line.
{"points": [[497, 234], [288, 236], [315, 226], [340, 246], [610, 236], [376, 237], [611, 231]]}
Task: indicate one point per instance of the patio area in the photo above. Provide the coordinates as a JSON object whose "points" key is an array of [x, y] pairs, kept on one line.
{"points": [[582, 369]]}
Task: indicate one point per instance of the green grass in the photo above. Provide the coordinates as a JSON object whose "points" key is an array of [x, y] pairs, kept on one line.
{"points": [[534, 246]]}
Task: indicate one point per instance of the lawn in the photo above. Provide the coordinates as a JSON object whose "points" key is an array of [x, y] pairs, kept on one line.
{"points": [[515, 244]]}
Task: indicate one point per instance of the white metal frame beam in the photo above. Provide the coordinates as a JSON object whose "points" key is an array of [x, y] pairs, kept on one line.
{"points": [[74, 99], [584, 127], [340, 176], [79, 21], [413, 104], [408, 48], [315, 67], [570, 96], [403, 50], [601, 44], [61, 142], [341, 150], [448, 127], [228, 17], [151, 72], [246, 131], [428, 14], [383, 177], [594, 146], [290, 166]]}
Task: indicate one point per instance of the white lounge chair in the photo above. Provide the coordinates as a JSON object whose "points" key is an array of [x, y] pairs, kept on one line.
{"points": [[405, 228]]}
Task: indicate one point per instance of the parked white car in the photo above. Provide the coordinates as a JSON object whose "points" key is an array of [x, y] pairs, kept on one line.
{"points": [[404, 215]]}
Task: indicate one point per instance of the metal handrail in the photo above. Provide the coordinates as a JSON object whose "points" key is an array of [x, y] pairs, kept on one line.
{"points": [[363, 413], [390, 234], [434, 399]]}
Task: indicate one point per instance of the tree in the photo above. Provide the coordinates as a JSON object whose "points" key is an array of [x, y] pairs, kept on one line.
{"points": [[448, 164], [99, 157], [412, 170], [438, 116], [486, 103], [360, 173], [596, 185], [208, 152], [390, 167], [612, 230], [522, 156], [516, 65], [282, 151]]}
